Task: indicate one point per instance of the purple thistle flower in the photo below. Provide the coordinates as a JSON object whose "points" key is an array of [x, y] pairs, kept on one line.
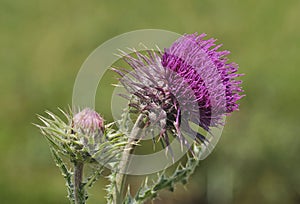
{"points": [[189, 82], [209, 74]]}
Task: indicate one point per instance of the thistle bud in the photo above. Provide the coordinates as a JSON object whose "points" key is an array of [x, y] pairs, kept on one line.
{"points": [[88, 125], [88, 120]]}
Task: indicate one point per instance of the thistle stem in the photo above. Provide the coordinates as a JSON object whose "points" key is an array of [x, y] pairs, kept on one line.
{"points": [[78, 191], [125, 159]]}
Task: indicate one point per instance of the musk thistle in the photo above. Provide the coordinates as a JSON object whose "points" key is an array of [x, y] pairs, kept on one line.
{"points": [[191, 83]]}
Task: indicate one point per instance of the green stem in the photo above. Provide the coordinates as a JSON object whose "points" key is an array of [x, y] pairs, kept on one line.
{"points": [[78, 191], [125, 159]]}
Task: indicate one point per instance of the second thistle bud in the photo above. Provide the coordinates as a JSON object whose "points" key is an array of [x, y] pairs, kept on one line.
{"points": [[88, 126], [88, 120]]}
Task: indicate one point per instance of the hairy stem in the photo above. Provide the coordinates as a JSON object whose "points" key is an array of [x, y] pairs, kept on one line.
{"points": [[125, 159], [78, 191]]}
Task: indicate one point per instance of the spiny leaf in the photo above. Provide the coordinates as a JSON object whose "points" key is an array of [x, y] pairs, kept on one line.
{"points": [[181, 174]]}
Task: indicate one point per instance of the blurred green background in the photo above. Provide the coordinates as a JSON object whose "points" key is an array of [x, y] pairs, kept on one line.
{"points": [[44, 43]]}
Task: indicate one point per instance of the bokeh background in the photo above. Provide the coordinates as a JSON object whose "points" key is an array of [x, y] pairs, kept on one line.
{"points": [[44, 43]]}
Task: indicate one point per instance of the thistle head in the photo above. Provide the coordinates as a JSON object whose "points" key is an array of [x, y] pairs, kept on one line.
{"points": [[191, 81], [204, 67]]}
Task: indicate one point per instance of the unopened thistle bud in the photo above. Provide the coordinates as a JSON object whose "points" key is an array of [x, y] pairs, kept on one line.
{"points": [[88, 120], [88, 126]]}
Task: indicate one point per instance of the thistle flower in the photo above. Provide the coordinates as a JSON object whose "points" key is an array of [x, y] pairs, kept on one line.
{"points": [[189, 82], [209, 75]]}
